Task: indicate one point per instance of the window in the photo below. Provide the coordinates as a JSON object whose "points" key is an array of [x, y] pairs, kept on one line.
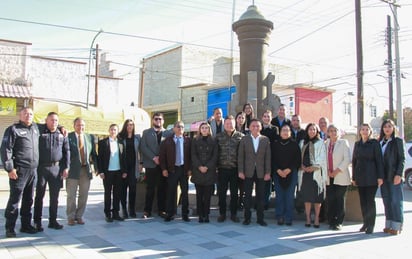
{"points": [[346, 108], [373, 112]]}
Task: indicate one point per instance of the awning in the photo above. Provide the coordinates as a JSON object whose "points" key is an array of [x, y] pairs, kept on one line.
{"points": [[195, 126], [15, 91], [97, 120]]}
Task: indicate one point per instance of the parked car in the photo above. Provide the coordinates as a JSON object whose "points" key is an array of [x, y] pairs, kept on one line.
{"points": [[408, 165]]}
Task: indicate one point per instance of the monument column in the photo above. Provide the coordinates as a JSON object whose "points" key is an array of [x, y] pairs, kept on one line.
{"points": [[253, 32]]}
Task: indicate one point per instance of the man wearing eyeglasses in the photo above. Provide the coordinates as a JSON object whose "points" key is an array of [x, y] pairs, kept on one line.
{"points": [[150, 147], [176, 163]]}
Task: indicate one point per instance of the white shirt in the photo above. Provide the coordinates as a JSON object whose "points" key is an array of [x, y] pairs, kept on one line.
{"points": [[255, 142]]}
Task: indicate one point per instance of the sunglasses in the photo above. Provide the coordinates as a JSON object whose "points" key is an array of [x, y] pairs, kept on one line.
{"points": [[157, 119]]}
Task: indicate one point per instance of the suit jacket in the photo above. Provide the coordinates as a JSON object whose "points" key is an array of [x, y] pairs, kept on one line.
{"points": [[104, 155], [341, 159], [149, 147], [167, 155], [75, 160], [275, 122], [249, 160], [213, 127]]}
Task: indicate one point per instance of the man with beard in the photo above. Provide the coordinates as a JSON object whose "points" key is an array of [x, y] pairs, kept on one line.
{"points": [[150, 148]]}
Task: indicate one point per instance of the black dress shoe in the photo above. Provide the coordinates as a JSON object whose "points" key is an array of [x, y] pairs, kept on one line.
{"points": [[207, 219], [316, 226], [363, 228], [262, 223], [246, 222], [117, 217], [125, 214], [109, 219], [186, 218], [369, 231], [29, 229], [55, 225], [168, 218], [221, 218], [10, 233], [162, 214], [38, 227], [281, 222], [234, 219], [201, 220]]}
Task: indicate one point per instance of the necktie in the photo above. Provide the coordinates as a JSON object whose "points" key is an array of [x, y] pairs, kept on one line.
{"points": [[81, 150], [178, 152]]}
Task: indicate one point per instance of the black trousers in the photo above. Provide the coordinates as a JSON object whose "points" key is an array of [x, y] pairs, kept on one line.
{"points": [[178, 177], [368, 205], [47, 175], [21, 189], [155, 181], [112, 187], [260, 194], [335, 197], [226, 178], [203, 196], [128, 192]]}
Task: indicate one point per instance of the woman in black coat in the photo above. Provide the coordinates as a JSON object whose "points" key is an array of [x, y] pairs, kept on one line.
{"points": [[367, 175], [391, 189], [204, 159]]}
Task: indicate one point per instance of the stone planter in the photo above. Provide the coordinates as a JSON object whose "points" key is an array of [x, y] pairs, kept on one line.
{"points": [[352, 204]]}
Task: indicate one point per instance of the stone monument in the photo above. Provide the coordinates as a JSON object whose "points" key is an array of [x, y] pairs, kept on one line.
{"points": [[252, 84]]}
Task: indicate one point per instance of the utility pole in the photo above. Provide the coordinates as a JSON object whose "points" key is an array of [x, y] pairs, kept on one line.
{"points": [[399, 110], [90, 63], [141, 86], [359, 62], [96, 79], [389, 64]]}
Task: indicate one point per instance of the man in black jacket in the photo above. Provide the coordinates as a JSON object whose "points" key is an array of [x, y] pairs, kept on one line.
{"points": [[20, 156], [54, 160]]}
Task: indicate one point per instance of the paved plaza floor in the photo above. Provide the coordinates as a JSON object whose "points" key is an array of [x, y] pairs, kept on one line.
{"points": [[154, 238]]}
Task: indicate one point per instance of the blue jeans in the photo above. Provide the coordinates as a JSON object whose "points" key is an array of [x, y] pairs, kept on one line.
{"points": [[285, 197], [392, 196]]}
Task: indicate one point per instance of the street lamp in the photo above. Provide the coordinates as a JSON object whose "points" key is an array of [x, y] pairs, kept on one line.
{"points": [[90, 61]]}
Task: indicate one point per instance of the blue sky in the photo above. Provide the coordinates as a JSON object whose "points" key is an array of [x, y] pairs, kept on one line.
{"points": [[315, 35]]}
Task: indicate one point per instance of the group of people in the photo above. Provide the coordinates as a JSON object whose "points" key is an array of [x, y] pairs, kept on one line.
{"points": [[241, 153]]}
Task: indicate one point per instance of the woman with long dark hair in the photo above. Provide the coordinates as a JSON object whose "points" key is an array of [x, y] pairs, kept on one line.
{"points": [[367, 174], [204, 159], [313, 172], [131, 141], [240, 120], [250, 114], [391, 189]]}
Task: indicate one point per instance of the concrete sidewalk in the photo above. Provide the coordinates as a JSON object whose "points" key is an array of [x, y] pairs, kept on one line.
{"points": [[154, 238]]}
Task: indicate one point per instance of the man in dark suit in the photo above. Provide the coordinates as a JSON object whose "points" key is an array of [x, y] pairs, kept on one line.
{"points": [[272, 132], [281, 119], [112, 170], [298, 133], [175, 163], [149, 148], [83, 161], [254, 166]]}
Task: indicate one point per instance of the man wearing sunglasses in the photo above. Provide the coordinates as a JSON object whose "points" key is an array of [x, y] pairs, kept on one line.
{"points": [[150, 147]]}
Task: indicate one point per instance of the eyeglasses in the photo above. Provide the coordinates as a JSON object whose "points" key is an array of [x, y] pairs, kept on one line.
{"points": [[157, 119]]}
